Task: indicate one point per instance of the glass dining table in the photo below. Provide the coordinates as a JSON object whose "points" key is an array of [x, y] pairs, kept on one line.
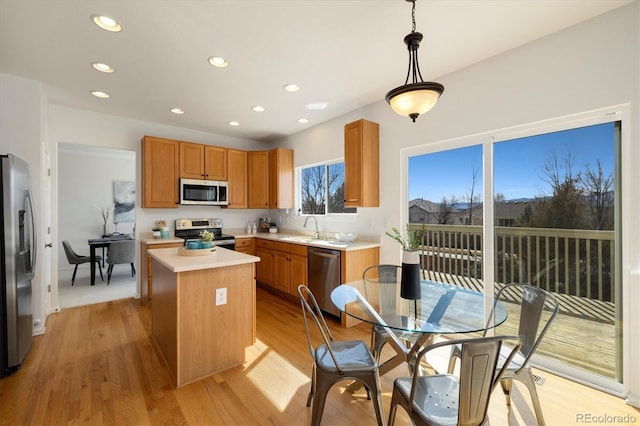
{"points": [[442, 309]]}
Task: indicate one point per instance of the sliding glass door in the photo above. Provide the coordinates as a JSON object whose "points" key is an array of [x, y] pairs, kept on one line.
{"points": [[553, 222]]}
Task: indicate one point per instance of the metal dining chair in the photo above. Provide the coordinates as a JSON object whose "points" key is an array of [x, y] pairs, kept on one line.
{"points": [[334, 361], [77, 259], [448, 399], [535, 310], [386, 274], [121, 252]]}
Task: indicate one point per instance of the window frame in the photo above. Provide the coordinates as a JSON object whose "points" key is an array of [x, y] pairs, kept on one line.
{"points": [[298, 188]]}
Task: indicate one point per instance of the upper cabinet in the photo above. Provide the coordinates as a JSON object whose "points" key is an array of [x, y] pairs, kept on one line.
{"points": [[160, 165], [271, 179], [281, 178], [362, 164], [258, 162], [237, 171], [257, 179], [199, 161]]}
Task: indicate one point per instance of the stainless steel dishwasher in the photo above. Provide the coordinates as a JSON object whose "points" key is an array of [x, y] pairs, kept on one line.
{"points": [[324, 276]]}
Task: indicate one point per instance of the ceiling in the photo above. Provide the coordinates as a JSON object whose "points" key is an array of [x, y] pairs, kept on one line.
{"points": [[344, 54]]}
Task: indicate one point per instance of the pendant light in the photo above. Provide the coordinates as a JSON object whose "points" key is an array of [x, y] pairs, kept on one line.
{"points": [[417, 97]]}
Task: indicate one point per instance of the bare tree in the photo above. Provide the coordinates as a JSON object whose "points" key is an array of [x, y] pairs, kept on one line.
{"points": [[445, 209], [313, 190], [599, 193], [472, 197]]}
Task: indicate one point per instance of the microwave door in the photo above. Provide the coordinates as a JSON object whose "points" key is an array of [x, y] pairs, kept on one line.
{"points": [[222, 195]]}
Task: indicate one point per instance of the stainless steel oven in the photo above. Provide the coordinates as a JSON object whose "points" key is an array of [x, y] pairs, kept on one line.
{"points": [[190, 229]]}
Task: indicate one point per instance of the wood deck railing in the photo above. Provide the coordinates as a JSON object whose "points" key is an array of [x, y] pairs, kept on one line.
{"points": [[569, 262]]}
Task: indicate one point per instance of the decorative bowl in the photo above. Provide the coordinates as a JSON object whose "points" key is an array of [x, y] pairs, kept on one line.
{"points": [[346, 237]]}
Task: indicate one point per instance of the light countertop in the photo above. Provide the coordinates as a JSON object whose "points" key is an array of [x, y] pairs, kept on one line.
{"points": [[220, 258], [306, 240], [147, 238]]}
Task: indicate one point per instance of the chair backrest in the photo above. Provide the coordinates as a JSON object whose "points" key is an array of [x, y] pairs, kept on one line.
{"points": [[311, 313], [383, 273], [72, 256], [121, 252], [386, 274], [479, 374], [535, 310]]}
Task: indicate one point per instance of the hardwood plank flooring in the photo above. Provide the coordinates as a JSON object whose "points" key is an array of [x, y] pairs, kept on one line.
{"points": [[96, 366]]}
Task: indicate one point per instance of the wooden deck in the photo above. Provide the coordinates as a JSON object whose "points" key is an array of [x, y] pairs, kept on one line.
{"points": [[583, 333]]}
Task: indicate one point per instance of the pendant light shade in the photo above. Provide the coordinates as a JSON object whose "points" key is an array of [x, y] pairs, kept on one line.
{"points": [[417, 97]]}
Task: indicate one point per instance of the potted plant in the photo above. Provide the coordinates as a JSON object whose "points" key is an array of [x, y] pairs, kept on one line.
{"points": [[207, 238], [410, 280]]}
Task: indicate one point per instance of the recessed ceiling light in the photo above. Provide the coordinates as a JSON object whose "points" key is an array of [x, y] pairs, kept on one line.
{"points": [[106, 23], [257, 108], [99, 94], [291, 87], [233, 123], [218, 62], [102, 67], [303, 120], [176, 111]]}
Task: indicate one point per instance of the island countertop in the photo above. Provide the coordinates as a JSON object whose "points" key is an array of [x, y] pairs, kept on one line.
{"points": [[221, 257]]}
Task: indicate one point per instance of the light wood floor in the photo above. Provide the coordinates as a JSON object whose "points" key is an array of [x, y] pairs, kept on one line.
{"points": [[95, 365]]}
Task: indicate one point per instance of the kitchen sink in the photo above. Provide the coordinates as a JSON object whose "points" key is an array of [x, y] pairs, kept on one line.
{"points": [[298, 239], [315, 242]]}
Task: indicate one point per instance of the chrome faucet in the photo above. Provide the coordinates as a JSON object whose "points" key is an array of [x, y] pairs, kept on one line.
{"points": [[317, 235]]}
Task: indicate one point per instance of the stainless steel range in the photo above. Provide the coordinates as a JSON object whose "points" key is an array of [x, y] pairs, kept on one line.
{"points": [[190, 229]]}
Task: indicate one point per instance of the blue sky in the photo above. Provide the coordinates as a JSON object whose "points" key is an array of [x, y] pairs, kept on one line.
{"points": [[518, 164]]}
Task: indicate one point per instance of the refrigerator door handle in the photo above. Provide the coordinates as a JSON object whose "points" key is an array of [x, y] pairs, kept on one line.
{"points": [[34, 245]]}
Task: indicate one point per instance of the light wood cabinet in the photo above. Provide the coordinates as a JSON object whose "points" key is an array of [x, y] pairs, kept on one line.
{"points": [[237, 172], [199, 161], [281, 178], [146, 271], [258, 164], [246, 245], [264, 268], [362, 164], [285, 267], [160, 168]]}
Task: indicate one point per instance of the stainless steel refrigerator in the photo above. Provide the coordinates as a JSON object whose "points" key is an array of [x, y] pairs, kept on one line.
{"points": [[17, 263]]}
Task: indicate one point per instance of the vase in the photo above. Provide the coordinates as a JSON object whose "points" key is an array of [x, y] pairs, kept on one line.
{"points": [[206, 244], [410, 281], [104, 229]]}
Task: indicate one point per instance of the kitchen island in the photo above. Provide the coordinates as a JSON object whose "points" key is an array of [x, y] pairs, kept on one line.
{"points": [[203, 311]]}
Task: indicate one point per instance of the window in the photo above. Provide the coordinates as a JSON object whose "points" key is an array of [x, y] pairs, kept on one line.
{"points": [[322, 189]]}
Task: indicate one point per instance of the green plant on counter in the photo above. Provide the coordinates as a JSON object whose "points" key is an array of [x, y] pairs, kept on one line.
{"points": [[206, 235]]}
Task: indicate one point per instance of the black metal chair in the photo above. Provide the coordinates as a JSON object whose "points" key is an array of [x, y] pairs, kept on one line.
{"points": [[76, 259], [334, 361], [121, 252]]}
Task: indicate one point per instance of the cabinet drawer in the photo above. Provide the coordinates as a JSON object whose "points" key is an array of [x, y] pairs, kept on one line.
{"points": [[273, 245], [298, 249], [244, 243]]}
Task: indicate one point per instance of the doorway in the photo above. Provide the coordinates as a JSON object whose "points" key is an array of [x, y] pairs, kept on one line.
{"points": [[91, 180]]}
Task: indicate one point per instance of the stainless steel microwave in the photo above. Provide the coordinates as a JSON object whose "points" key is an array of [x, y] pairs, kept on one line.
{"points": [[204, 192]]}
